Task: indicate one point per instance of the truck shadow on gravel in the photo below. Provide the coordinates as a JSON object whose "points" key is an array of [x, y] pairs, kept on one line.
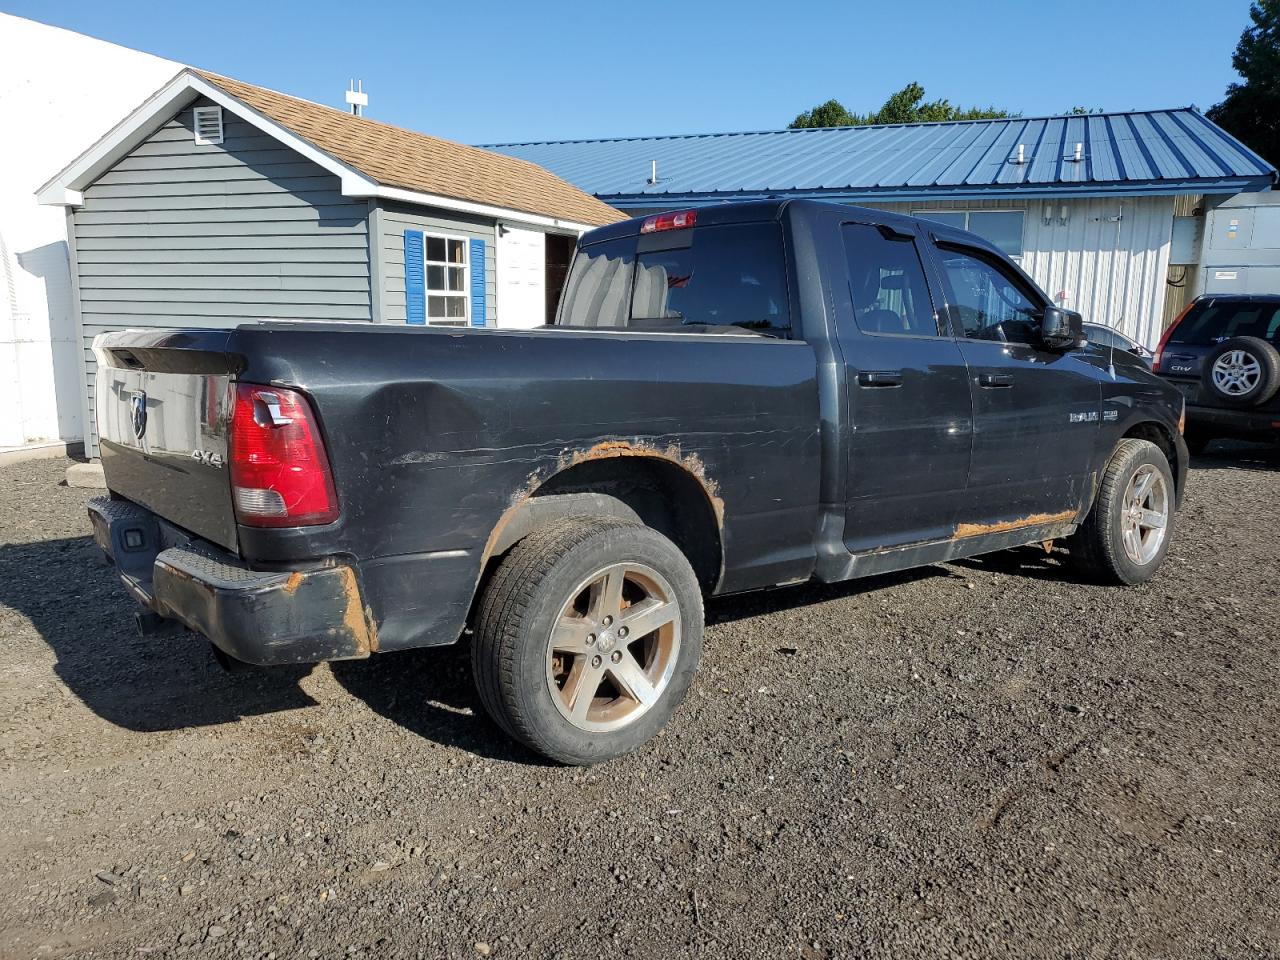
{"points": [[430, 693], [146, 684], [1238, 455]]}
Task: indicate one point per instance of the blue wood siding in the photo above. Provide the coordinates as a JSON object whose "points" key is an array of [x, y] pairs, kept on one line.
{"points": [[176, 234]]}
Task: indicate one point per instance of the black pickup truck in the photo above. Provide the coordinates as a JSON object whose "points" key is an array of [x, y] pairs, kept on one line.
{"points": [[732, 398]]}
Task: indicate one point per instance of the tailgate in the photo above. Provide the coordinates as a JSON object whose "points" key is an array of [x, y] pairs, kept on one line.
{"points": [[163, 403]]}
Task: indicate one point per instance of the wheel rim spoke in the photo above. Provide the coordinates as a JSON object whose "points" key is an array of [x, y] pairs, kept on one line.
{"points": [[1152, 519], [632, 680], [1133, 545], [570, 636], [647, 616], [580, 689], [606, 595]]}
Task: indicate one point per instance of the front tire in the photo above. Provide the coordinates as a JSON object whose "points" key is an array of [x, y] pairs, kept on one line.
{"points": [[1127, 533], [587, 638]]}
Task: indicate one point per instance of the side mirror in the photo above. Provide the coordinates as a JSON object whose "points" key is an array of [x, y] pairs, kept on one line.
{"points": [[1061, 329]]}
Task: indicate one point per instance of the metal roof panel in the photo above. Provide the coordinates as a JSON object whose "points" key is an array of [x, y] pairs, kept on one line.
{"points": [[1152, 150]]}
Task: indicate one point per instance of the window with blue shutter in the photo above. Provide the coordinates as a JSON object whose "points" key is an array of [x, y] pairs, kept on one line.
{"points": [[477, 283], [415, 279]]}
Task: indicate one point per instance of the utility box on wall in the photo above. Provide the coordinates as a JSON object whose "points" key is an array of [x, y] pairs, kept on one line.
{"points": [[1242, 245]]}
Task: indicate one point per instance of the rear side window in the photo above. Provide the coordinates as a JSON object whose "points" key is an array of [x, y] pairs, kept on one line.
{"points": [[1219, 320], [886, 283], [710, 278]]}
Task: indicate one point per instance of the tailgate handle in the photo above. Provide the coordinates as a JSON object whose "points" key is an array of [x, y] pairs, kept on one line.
{"points": [[880, 378], [995, 380]]}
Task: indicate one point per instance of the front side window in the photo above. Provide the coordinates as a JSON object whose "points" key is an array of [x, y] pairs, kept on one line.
{"points": [[886, 283], [708, 279], [985, 301], [1001, 228]]}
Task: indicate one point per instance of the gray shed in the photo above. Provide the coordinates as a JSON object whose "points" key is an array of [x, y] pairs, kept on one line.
{"points": [[217, 202]]}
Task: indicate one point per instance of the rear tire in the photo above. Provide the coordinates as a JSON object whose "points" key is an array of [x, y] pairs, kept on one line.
{"points": [[587, 638], [1125, 538]]}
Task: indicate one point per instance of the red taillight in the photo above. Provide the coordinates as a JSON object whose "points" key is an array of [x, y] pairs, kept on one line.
{"points": [[279, 471], [1164, 337], [669, 221]]}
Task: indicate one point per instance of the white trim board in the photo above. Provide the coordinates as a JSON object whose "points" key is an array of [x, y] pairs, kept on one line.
{"points": [[66, 188]]}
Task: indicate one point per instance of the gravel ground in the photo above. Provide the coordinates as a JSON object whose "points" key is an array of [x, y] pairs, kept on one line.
{"points": [[982, 759]]}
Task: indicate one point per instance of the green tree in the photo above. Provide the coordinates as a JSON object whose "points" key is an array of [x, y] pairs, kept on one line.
{"points": [[829, 114], [906, 106], [1251, 110]]}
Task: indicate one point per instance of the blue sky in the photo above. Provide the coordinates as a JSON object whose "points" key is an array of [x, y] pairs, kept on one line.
{"points": [[498, 71]]}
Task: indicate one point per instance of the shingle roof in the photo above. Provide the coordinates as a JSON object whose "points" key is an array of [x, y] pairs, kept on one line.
{"points": [[396, 157], [1154, 151]]}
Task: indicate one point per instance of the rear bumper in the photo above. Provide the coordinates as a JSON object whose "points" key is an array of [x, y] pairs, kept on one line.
{"points": [[260, 617], [1232, 422]]}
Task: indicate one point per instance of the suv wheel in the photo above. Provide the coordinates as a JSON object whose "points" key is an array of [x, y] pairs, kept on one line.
{"points": [[1243, 371], [587, 638], [1126, 535]]}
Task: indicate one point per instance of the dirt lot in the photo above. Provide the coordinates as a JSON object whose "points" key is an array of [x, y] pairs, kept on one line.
{"points": [[983, 759]]}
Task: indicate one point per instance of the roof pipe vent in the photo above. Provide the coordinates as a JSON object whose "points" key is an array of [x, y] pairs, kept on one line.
{"points": [[357, 99], [653, 173], [1078, 156], [1020, 156]]}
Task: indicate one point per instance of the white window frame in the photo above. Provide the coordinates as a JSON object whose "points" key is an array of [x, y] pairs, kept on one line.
{"points": [[428, 293], [195, 124], [1022, 245]]}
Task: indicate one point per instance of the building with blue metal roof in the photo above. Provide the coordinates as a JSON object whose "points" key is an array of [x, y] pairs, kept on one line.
{"points": [[1106, 211]]}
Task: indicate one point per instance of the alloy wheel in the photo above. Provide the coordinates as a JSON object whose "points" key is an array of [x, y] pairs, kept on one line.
{"points": [[614, 647], [1236, 373], [1144, 517]]}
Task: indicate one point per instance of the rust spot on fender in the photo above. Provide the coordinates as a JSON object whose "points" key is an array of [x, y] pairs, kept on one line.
{"points": [[965, 530], [293, 583], [604, 450], [691, 462], [359, 624]]}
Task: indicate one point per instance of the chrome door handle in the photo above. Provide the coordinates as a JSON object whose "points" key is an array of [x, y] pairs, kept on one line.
{"points": [[994, 380], [880, 378]]}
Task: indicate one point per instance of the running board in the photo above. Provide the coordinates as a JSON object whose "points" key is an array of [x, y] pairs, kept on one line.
{"points": [[970, 541]]}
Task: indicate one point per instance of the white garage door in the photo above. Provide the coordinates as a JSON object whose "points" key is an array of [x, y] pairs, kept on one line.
{"points": [[521, 278]]}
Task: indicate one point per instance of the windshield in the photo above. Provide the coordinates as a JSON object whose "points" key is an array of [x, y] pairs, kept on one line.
{"points": [[729, 278], [1218, 320]]}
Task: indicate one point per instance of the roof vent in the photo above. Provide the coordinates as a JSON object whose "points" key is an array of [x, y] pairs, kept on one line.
{"points": [[357, 99], [1020, 156], [208, 124]]}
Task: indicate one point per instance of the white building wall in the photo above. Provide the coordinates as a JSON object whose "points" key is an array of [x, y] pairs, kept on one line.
{"points": [[59, 93], [1109, 260]]}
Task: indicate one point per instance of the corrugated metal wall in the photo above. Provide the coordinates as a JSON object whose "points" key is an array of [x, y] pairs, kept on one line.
{"points": [[395, 219], [1112, 270], [177, 234]]}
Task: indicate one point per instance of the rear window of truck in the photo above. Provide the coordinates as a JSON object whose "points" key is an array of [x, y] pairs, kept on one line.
{"points": [[705, 280], [1220, 320]]}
